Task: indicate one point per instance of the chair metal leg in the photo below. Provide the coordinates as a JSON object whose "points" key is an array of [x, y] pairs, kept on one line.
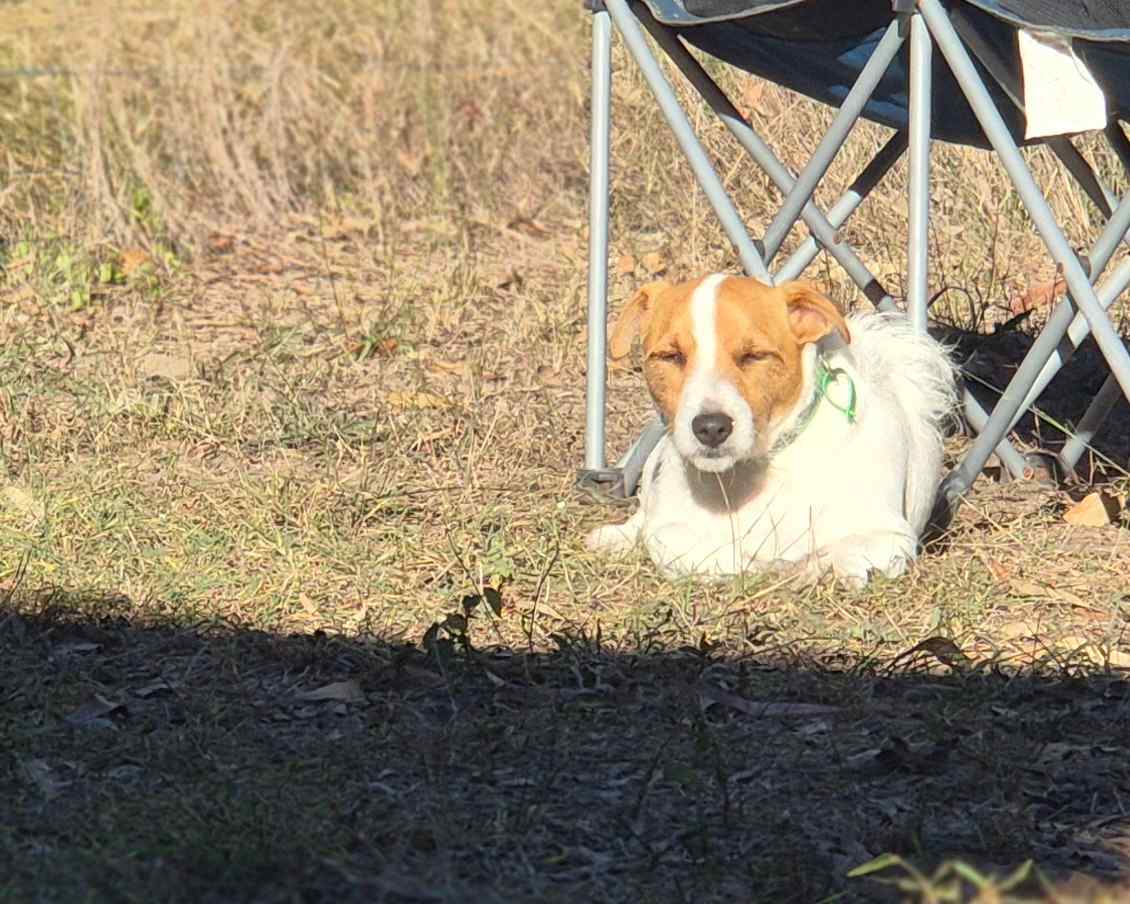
{"points": [[921, 53], [629, 28], [1077, 280], [631, 465], [1080, 439], [595, 475]]}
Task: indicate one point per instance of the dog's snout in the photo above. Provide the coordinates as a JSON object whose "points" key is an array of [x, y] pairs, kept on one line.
{"points": [[712, 429]]}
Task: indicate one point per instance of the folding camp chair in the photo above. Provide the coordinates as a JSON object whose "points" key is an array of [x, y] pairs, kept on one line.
{"points": [[949, 71]]}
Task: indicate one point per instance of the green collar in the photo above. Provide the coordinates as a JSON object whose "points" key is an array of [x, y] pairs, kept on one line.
{"points": [[826, 378]]}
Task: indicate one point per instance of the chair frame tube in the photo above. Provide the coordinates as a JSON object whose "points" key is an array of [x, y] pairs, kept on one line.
{"points": [[599, 150], [918, 240], [1080, 439]]}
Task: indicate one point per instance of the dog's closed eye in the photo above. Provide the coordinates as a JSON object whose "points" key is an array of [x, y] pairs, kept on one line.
{"points": [[669, 356], [752, 356]]}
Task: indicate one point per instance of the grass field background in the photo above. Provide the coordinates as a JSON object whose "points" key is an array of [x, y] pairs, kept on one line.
{"points": [[294, 600]]}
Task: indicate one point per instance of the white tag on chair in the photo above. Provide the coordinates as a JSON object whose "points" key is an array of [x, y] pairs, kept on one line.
{"points": [[1060, 94]]}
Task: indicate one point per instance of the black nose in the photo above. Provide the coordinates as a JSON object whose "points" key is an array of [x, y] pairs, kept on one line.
{"points": [[712, 429]]}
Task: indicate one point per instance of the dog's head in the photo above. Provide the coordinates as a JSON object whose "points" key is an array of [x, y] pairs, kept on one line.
{"points": [[723, 359]]}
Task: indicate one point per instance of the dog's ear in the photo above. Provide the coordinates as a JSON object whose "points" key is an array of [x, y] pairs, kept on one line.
{"points": [[633, 318], [812, 315]]}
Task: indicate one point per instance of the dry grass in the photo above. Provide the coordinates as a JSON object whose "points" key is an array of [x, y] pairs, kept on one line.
{"points": [[293, 335]]}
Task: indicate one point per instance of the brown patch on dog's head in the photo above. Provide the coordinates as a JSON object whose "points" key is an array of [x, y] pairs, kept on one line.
{"points": [[758, 336], [660, 314]]}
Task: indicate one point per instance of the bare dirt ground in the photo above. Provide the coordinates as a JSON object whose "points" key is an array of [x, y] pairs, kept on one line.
{"points": [[293, 601]]}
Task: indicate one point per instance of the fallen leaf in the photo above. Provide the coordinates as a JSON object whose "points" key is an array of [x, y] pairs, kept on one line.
{"points": [[126, 772], [417, 401], [1095, 652], [72, 647], [94, 714], [1000, 574], [344, 227], [654, 263], [218, 243], [410, 161], [345, 691], [425, 677], [24, 502], [750, 100], [511, 279], [1024, 587], [548, 376], [171, 367], [625, 264], [1073, 598], [385, 347], [529, 227], [458, 368], [41, 775], [1058, 751], [134, 259], [896, 755], [1038, 296], [941, 648], [1093, 510], [157, 688], [1017, 629], [761, 709]]}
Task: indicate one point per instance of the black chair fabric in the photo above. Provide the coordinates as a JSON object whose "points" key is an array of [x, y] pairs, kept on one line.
{"points": [[819, 47]]}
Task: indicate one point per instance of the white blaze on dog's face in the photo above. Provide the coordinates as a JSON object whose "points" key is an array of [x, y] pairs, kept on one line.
{"points": [[723, 359]]}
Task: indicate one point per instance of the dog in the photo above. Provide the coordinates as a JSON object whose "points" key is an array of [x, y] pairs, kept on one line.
{"points": [[797, 438]]}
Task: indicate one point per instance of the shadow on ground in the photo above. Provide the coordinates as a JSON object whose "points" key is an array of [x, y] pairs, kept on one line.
{"points": [[201, 763]]}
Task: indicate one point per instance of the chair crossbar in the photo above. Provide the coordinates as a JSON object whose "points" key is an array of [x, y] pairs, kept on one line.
{"points": [[763, 155], [869, 177], [630, 30], [842, 124]]}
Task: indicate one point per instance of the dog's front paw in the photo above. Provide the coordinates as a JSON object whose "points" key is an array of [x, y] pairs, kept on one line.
{"points": [[856, 558], [612, 539]]}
